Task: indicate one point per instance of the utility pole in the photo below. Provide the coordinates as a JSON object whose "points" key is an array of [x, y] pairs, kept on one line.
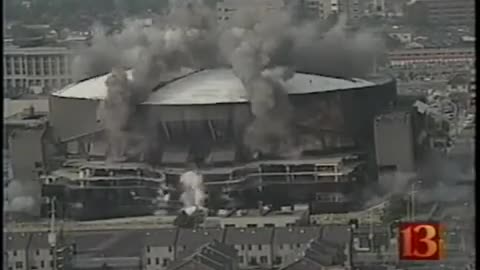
{"points": [[412, 199], [52, 236], [413, 202], [408, 206], [370, 235]]}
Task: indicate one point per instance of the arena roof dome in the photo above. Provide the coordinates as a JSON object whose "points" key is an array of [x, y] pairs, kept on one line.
{"points": [[209, 86]]}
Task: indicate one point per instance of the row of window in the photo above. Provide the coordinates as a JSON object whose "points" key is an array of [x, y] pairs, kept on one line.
{"points": [[260, 247], [252, 260], [432, 54], [19, 265], [33, 66], [37, 252], [266, 225], [165, 261], [48, 83]]}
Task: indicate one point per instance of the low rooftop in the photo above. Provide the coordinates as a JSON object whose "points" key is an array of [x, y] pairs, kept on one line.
{"points": [[28, 118]]}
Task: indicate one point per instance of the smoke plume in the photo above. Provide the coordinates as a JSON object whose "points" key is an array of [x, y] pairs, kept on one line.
{"points": [[263, 51], [193, 195], [117, 111]]}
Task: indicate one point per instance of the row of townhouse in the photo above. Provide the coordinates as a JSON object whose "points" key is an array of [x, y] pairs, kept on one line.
{"points": [[168, 249]]}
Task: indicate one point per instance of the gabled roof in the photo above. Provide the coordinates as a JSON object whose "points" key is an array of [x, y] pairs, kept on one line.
{"points": [[295, 235], [320, 253], [245, 236], [211, 256], [194, 238]]}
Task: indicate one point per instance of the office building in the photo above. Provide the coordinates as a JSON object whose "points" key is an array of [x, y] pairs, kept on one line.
{"points": [[36, 69], [319, 9], [458, 12], [227, 8], [394, 141], [352, 9]]}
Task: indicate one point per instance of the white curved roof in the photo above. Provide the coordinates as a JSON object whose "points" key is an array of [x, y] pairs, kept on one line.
{"points": [[209, 86]]}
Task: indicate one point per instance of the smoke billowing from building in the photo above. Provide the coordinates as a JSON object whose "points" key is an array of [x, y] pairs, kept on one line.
{"points": [[193, 194], [117, 112], [437, 177], [252, 54], [264, 53]]}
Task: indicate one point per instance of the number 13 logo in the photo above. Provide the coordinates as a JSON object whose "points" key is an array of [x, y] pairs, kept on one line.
{"points": [[421, 241]]}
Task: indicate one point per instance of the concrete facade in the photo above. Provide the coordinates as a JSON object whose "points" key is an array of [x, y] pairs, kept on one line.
{"points": [[394, 141], [458, 12], [320, 9], [227, 8], [37, 68]]}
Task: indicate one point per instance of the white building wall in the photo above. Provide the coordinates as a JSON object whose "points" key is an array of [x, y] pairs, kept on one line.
{"points": [[46, 67], [322, 8], [262, 254], [41, 259], [17, 260], [157, 258], [287, 252]]}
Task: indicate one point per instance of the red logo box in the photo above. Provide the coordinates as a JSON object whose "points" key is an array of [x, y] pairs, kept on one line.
{"points": [[421, 241]]}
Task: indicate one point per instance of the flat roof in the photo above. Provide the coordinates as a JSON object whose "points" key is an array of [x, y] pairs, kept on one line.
{"points": [[209, 86]]}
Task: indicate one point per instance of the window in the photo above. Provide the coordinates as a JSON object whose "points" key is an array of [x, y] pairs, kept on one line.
{"points": [[170, 248], [298, 245], [251, 225], [148, 249], [157, 261], [269, 225], [263, 259], [149, 261], [249, 247], [240, 259], [253, 261], [242, 247], [19, 265], [37, 252], [42, 264], [229, 225], [14, 253], [259, 247], [165, 262], [278, 260]]}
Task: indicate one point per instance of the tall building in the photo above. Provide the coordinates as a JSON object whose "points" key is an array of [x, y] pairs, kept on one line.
{"points": [[226, 8], [319, 9], [458, 12], [36, 69], [394, 141], [353, 9]]}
